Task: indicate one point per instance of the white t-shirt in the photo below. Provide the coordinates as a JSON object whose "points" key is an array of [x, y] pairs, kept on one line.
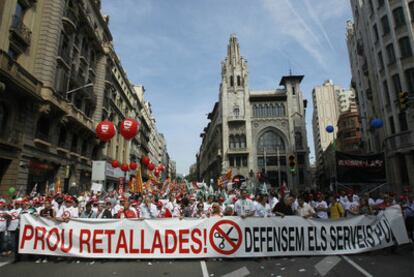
{"points": [[306, 210], [273, 201], [15, 219], [68, 212], [262, 211], [244, 207], [3, 221], [323, 205], [148, 212]]}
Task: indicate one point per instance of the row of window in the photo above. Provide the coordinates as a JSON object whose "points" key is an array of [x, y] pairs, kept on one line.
{"points": [[237, 141], [269, 110], [238, 160]]}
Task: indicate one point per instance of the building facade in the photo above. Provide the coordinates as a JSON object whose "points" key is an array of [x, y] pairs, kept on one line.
{"points": [[255, 131], [380, 44], [59, 77], [326, 112]]}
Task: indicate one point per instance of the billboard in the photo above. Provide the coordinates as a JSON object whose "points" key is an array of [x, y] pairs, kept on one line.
{"points": [[352, 168]]}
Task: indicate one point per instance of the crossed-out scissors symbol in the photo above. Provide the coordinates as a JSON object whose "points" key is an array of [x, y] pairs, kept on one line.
{"points": [[219, 236]]}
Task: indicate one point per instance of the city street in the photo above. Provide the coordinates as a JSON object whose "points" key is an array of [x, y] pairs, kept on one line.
{"points": [[379, 263]]}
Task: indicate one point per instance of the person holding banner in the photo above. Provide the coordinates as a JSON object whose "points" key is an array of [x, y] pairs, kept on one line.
{"points": [[304, 209], [148, 209], [321, 207], [88, 212], [262, 206], [48, 210], [102, 212], [126, 211], [244, 207], [336, 211], [67, 210], [284, 207]]}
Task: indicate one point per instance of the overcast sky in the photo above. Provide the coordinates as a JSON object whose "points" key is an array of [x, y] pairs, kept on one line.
{"points": [[174, 48]]}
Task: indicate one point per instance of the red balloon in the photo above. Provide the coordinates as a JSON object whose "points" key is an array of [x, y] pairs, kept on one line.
{"points": [[157, 173], [151, 167], [161, 167], [133, 165], [105, 130], [129, 128], [115, 164], [124, 167], [145, 160]]}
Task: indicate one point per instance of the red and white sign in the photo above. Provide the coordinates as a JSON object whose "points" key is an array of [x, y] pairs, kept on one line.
{"points": [[227, 237]]}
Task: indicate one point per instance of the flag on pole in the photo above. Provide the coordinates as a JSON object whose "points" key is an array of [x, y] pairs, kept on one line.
{"points": [[138, 181], [34, 191], [223, 180], [121, 185]]}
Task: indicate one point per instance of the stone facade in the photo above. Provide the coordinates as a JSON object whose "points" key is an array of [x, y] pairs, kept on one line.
{"points": [[254, 131], [59, 77], [380, 45]]}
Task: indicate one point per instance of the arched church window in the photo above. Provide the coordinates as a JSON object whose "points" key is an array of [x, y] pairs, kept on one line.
{"points": [[238, 80], [231, 81], [270, 142]]}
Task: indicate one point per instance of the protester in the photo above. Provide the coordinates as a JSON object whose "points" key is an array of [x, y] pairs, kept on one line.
{"points": [[304, 209], [336, 210], [284, 207], [88, 212], [126, 211], [321, 207], [262, 208], [244, 207]]}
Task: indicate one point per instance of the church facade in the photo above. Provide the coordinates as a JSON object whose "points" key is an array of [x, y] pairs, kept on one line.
{"points": [[255, 132]]}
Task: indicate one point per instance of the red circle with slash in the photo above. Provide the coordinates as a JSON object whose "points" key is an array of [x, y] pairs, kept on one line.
{"points": [[218, 227]]}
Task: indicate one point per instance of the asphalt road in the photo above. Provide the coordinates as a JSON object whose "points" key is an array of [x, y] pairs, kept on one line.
{"points": [[379, 263]]}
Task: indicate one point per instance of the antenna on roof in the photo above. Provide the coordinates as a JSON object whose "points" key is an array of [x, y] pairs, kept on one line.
{"points": [[290, 68]]}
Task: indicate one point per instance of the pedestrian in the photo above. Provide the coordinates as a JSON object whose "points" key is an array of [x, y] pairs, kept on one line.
{"points": [[3, 225]]}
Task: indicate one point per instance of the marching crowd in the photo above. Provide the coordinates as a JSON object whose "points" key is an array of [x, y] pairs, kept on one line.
{"points": [[183, 203]]}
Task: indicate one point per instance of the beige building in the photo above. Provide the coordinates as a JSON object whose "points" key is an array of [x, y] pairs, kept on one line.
{"points": [[255, 131], [326, 112], [380, 44], [59, 77], [51, 65]]}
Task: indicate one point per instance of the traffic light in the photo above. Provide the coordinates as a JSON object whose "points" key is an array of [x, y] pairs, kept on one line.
{"points": [[292, 164], [403, 100]]}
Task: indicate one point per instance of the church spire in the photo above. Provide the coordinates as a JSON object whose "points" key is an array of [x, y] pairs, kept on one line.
{"points": [[233, 50]]}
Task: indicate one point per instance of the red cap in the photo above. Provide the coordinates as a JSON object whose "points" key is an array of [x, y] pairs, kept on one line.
{"points": [[68, 198]]}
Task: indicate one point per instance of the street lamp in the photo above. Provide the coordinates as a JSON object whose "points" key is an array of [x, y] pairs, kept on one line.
{"points": [[79, 88]]}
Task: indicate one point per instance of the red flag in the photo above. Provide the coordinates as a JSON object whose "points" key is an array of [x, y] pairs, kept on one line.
{"points": [[167, 213]]}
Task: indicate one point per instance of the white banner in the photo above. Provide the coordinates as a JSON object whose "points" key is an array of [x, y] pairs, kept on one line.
{"points": [[212, 237]]}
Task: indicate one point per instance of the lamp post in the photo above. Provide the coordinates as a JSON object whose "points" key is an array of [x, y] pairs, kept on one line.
{"points": [[79, 88]]}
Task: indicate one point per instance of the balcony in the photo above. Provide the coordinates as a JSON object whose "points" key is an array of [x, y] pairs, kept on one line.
{"points": [[237, 150], [234, 118], [64, 56], [11, 138], [20, 34], [70, 19], [400, 142]]}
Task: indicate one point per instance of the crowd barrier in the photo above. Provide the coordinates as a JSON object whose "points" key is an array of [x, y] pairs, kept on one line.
{"points": [[224, 237]]}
